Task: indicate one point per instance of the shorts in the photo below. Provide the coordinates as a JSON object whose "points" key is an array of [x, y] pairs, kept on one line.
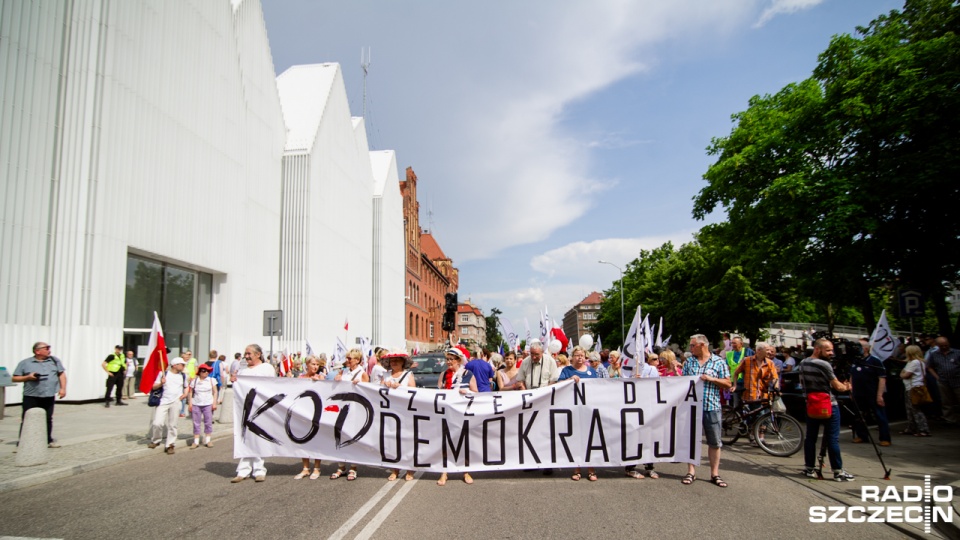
{"points": [[711, 428]]}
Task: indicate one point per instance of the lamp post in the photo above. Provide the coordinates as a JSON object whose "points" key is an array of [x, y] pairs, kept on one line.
{"points": [[623, 332]]}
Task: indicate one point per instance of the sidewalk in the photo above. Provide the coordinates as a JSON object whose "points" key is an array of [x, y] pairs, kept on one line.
{"points": [[909, 458], [91, 436]]}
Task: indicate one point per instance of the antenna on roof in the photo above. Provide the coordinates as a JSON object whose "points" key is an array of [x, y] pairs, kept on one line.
{"points": [[429, 216], [365, 66]]}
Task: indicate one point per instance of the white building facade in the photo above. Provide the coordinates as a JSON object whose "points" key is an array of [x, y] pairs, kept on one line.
{"points": [[143, 152]]}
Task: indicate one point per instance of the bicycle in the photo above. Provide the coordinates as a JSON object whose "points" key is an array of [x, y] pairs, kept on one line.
{"points": [[777, 434]]}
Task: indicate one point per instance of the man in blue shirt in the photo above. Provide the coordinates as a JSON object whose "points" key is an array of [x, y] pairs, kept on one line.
{"points": [[869, 380], [482, 372], [43, 378]]}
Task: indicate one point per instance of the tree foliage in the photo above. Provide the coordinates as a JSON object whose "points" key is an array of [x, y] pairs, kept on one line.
{"points": [[846, 177], [494, 338]]}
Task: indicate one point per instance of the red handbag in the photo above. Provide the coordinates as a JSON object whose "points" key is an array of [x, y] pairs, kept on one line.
{"points": [[819, 406]]}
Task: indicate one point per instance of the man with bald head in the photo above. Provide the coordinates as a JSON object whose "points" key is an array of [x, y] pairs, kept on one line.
{"points": [[944, 365], [758, 372]]}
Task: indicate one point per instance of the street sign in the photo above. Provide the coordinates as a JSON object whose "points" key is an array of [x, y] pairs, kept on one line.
{"points": [[911, 303], [272, 323]]}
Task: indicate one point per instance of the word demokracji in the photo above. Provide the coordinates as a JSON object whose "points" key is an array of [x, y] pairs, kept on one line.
{"points": [[603, 423]]}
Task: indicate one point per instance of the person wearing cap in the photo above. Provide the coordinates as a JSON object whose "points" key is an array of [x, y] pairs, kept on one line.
{"points": [[174, 384], [203, 401], [399, 376], [115, 365], [537, 371], [457, 378]]}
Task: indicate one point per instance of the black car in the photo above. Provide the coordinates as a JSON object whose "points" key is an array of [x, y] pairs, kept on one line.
{"points": [[427, 368]]}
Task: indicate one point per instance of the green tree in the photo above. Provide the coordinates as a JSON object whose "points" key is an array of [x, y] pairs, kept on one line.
{"points": [[494, 338], [843, 180]]}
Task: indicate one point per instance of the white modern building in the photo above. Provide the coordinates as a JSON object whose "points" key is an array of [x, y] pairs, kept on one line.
{"points": [[146, 165]]}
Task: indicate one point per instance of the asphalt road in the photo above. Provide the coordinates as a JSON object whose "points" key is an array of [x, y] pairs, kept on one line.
{"points": [[189, 495]]}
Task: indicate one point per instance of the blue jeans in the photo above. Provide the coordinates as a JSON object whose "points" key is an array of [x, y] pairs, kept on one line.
{"points": [[831, 432]]}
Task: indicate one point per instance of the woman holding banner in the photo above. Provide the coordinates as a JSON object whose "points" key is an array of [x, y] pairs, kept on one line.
{"points": [[354, 373], [255, 367], [399, 376], [459, 379], [578, 369], [507, 375], [312, 365]]}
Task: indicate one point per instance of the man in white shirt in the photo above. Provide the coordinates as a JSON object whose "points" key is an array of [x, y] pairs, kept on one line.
{"points": [[174, 384], [255, 367], [538, 369]]}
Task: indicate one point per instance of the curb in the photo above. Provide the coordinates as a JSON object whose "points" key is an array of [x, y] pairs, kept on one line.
{"points": [[66, 472]]}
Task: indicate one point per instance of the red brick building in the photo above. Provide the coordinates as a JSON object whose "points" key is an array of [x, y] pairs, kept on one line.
{"points": [[430, 275]]}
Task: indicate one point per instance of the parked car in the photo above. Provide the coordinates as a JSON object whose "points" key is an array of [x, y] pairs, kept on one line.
{"points": [[427, 368]]}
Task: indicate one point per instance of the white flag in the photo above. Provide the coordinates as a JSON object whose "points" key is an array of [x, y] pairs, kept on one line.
{"points": [[513, 340], [659, 342], [647, 338], [882, 341], [526, 323], [309, 349], [339, 355], [630, 347], [599, 346]]}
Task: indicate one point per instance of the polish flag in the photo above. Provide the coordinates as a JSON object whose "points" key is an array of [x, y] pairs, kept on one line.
{"points": [[157, 360], [286, 365]]}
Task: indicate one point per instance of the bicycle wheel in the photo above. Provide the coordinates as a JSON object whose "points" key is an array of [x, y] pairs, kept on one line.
{"points": [[731, 425], [778, 434]]}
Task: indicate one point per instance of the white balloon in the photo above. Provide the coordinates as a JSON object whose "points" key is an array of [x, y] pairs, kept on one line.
{"points": [[586, 341], [555, 346]]}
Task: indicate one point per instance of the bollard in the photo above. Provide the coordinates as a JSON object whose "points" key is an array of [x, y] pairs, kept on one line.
{"points": [[33, 439], [225, 410]]}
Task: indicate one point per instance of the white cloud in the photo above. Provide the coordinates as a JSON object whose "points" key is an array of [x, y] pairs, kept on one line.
{"points": [[510, 148], [579, 260], [784, 7]]}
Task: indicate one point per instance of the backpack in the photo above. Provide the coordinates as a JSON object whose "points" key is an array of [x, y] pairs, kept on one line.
{"points": [[215, 375]]}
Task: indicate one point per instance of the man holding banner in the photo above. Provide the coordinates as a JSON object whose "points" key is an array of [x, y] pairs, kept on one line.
{"points": [[255, 367], [715, 374]]}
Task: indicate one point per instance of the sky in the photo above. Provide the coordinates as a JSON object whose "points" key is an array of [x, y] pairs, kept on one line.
{"points": [[548, 135]]}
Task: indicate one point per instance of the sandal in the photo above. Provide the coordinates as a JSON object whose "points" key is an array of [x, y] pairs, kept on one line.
{"points": [[352, 475], [408, 477], [592, 476], [653, 474], [392, 477], [303, 473], [635, 474], [575, 477], [688, 479], [467, 479], [315, 474], [717, 481], [337, 474], [443, 480]]}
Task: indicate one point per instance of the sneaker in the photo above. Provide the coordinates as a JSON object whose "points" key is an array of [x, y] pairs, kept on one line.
{"points": [[53, 445], [810, 473], [884, 443], [260, 478], [857, 440], [122, 404], [170, 450], [842, 476], [238, 479], [153, 445]]}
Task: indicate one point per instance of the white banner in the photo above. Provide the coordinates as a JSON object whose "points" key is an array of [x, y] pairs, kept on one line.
{"points": [[598, 423]]}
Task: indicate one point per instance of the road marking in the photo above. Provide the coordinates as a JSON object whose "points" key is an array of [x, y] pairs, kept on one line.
{"points": [[366, 508], [26, 538], [384, 512]]}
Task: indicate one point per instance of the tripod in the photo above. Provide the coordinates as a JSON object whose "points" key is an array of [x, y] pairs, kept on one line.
{"points": [[855, 410]]}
